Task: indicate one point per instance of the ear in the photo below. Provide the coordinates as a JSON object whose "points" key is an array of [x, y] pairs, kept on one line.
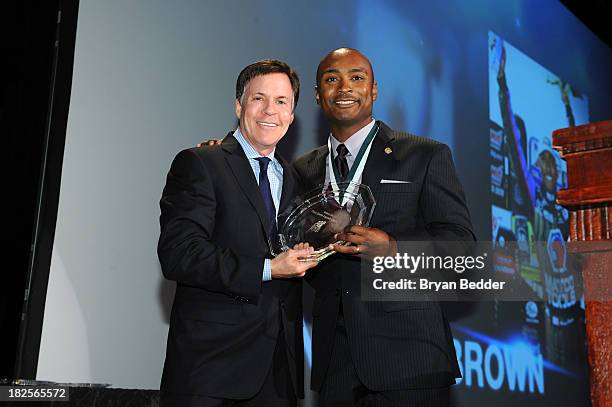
{"points": [[317, 97], [374, 91], [237, 108]]}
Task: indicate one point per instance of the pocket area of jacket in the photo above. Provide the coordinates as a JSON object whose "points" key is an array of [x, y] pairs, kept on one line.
{"points": [[319, 303], [398, 188], [396, 306], [221, 313]]}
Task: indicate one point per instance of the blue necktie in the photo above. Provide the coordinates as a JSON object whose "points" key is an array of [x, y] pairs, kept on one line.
{"points": [[266, 194]]}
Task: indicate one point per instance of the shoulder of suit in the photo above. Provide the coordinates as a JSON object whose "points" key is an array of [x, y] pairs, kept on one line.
{"points": [[204, 151], [304, 159], [202, 154], [405, 137], [405, 143]]}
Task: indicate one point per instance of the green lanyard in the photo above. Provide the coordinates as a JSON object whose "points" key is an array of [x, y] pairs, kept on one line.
{"points": [[358, 158]]}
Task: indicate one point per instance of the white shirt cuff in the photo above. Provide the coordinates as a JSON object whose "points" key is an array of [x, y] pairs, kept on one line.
{"points": [[267, 270]]}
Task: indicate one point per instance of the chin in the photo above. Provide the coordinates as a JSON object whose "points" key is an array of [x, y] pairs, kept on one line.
{"points": [[341, 116], [268, 142]]}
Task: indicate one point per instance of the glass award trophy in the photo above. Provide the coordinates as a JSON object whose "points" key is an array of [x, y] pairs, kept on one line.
{"points": [[316, 217]]}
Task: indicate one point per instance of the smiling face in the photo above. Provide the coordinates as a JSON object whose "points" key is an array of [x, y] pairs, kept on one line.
{"points": [[346, 91], [265, 111]]}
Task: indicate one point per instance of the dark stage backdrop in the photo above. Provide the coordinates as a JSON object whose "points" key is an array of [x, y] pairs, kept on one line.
{"points": [[153, 77]]}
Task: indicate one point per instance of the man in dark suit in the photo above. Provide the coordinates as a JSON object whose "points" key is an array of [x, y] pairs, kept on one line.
{"points": [[379, 353], [235, 335]]}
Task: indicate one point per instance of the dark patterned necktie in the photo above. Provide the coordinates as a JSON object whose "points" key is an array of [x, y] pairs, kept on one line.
{"points": [[266, 194], [341, 162]]}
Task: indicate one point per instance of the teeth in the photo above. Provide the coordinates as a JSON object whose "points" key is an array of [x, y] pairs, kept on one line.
{"points": [[345, 102], [267, 124]]}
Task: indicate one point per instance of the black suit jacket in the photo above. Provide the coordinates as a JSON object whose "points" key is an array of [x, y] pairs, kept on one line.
{"points": [[394, 345], [225, 321]]}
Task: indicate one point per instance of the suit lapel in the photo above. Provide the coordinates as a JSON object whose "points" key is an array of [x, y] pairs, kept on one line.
{"points": [[380, 159], [243, 173], [288, 190], [316, 167]]}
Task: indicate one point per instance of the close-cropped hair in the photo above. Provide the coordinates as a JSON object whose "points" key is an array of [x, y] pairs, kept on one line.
{"points": [[265, 67]]}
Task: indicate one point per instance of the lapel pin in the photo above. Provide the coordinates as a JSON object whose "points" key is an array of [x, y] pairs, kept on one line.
{"points": [[388, 150]]}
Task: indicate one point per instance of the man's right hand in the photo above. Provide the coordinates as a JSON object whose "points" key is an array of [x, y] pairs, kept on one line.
{"points": [[287, 265], [212, 142]]}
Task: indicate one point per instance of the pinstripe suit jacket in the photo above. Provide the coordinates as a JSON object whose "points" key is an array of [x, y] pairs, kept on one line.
{"points": [[394, 345]]}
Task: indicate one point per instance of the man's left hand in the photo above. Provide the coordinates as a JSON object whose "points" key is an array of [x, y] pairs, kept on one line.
{"points": [[366, 242]]}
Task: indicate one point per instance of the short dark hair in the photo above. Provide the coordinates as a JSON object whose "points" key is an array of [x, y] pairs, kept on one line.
{"points": [[265, 67]]}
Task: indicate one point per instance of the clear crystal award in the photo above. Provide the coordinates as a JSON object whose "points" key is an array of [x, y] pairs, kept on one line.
{"points": [[316, 217]]}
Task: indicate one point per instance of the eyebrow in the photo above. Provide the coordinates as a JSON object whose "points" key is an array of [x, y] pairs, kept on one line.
{"points": [[352, 70], [330, 71], [266, 95]]}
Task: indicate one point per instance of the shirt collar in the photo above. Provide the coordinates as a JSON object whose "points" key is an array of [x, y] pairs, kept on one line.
{"points": [[250, 152], [353, 143]]}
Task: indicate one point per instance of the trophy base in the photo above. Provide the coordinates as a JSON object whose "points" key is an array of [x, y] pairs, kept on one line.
{"points": [[318, 255], [321, 254]]}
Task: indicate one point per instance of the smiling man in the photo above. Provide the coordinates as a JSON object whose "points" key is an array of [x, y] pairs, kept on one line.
{"points": [[379, 353], [235, 334]]}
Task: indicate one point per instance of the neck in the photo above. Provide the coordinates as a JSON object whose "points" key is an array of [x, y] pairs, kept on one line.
{"points": [[344, 131]]}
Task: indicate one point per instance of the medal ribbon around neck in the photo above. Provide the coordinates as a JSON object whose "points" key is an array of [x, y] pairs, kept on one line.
{"points": [[356, 168]]}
